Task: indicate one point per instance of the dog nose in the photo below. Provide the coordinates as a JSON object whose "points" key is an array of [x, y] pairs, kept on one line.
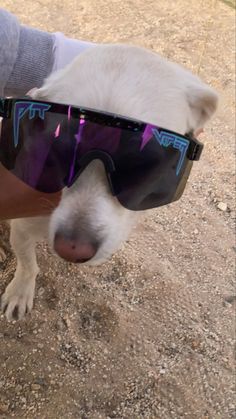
{"points": [[74, 250]]}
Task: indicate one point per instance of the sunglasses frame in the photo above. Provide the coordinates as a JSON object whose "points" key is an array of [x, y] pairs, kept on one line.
{"points": [[102, 118], [187, 146]]}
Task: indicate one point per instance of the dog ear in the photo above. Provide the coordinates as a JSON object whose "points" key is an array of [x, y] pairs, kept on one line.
{"points": [[203, 101]]}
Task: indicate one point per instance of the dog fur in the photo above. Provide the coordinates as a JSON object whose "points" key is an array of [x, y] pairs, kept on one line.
{"points": [[125, 80]]}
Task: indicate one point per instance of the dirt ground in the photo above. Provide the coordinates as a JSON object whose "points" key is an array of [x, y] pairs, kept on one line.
{"points": [[151, 333]]}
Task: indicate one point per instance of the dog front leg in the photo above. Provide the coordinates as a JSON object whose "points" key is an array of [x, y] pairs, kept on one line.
{"points": [[19, 294]]}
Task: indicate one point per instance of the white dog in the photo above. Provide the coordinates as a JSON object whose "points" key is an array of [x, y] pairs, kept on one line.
{"points": [[121, 79]]}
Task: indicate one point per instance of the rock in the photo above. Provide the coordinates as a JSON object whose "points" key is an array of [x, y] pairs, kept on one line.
{"points": [[222, 206], [35, 387], [230, 299], [195, 344], [40, 381], [41, 291], [4, 407], [18, 388], [40, 345], [61, 325], [23, 400]]}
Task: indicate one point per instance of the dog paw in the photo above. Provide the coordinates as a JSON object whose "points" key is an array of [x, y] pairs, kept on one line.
{"points": [[17, 299], [3, 255]]}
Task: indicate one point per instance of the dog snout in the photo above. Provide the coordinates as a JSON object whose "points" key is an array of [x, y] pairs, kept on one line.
{"points": [[76, 250]]}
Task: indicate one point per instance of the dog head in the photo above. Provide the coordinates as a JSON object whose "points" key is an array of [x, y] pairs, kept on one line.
{"points": [[89, 224]]}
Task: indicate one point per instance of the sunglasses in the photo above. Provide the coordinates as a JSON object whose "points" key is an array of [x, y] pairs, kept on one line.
{"points": [[48, 145]]}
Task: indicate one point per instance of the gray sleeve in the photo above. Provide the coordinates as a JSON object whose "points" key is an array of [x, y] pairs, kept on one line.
{"points": [[26, 56]]}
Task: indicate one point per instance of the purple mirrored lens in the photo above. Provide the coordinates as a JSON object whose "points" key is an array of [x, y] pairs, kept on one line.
{"points": [[90, 137], [42, 153]]}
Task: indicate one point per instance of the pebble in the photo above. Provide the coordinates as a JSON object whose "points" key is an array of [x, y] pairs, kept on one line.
{"points": [[222, 206], [195, 344], [4, 407], [35, 387], [18, 388], [230, 299], [61, 325], [40, 345], [40, 381], [41, 291]]}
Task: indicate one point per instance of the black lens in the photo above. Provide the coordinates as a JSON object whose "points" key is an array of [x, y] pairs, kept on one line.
{"points": [[148, 179]]}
